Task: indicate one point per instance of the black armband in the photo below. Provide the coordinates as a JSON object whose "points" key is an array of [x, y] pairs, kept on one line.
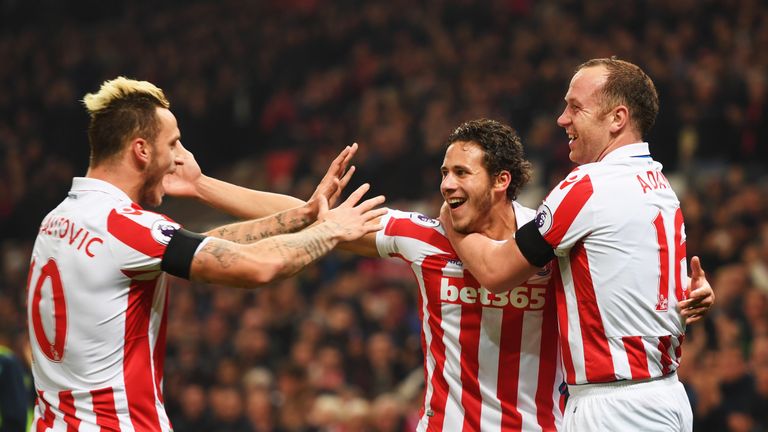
{"points": [[177, 259], [533, 246]]}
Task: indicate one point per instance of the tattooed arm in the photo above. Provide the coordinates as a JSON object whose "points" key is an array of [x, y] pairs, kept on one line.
{"points": [[228, 263], [285, 222], [188, 181]]}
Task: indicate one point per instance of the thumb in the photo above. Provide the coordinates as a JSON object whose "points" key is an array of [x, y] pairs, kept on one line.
{"points": [[322, 206], [696, 270]]}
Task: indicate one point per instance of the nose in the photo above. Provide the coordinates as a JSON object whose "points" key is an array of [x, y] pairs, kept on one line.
{"points": [[563, 120], [448, 184]]}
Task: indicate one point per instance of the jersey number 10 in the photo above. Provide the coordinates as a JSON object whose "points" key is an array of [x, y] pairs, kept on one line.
{"points": [[53, 350]]}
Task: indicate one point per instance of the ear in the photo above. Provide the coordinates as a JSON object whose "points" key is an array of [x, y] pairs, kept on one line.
{"points": [[141, 151], [501, 181], [619, 119]]}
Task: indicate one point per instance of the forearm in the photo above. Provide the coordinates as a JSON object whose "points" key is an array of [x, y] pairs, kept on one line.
{"points": [[277, 257], [242, 202], [497, 266], [285, 222]]}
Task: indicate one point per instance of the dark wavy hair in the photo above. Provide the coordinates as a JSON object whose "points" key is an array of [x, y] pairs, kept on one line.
{"points": [[502, 149]]}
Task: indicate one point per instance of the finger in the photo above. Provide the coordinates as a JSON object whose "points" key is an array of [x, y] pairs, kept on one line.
{"points": [[370, 203], [372, 227], [355, 196], [346, 178], [694, 311], [693, 319], [696, 270], [374, 214], [350, 154]]}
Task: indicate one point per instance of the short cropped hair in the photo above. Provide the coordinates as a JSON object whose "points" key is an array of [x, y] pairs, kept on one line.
{"points": [[627, 84], [502, 150], [121, 110]]}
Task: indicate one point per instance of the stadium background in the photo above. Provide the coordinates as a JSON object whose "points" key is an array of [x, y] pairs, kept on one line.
{"points": [[266, 92]]}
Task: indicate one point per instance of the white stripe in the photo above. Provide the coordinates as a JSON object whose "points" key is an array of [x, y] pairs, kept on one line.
{"points": [[530, 361], [575, 343], [653, 355], [121, 408], [427, 334], [621, 367], [451, 325], [488, 362]]}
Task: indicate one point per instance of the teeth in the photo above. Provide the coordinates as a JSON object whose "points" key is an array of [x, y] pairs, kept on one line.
{"points": [[572, 137], [456, 200]]}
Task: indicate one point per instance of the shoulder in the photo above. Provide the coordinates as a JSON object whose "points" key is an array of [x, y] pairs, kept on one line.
{"points": [[397, 220], [141, 229]]}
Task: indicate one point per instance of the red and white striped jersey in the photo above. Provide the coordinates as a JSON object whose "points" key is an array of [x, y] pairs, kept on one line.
{"points": [[617, 230], [97, 313], [491, 361]]}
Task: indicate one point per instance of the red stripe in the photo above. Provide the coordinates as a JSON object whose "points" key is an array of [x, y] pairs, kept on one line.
{"points": [[104, 408], [662, 303], [407, 228], [158, 354], [568, 209], [134, 234], [638, 359], [562, 317], [139, 381], [437, 346], [549, 362], [666, 360], [67, 406], [46, 420], [469, 340], [510, 341], [680, 257], [598, 361]]}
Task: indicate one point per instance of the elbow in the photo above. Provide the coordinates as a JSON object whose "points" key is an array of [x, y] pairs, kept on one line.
{"points": [[266, 273], [493, 283]]}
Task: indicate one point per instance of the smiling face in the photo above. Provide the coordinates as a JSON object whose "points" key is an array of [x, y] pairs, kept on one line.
{"points": [[466, 186], [584, 119], [162, 160]]}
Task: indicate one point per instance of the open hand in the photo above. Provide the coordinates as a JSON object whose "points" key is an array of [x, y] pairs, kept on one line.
{"points": [[351, 220], [336, 178], [183, 181], [701, 297]]}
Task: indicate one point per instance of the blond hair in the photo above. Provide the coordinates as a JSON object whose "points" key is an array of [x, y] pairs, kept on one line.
{"points": [[122, 109], [120, 88]]}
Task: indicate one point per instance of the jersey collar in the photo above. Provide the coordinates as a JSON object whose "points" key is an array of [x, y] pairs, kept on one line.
{"points": [[87, 184], [629, 150]]}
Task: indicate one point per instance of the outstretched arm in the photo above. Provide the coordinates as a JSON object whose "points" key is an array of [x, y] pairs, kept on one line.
{"points": [[224, 262], [496, 265], [188, 181], [701, 297]]}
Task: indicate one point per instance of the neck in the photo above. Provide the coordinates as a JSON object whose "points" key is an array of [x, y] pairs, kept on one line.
{"points": [[618, 142], [121, 175], [501, 222]]}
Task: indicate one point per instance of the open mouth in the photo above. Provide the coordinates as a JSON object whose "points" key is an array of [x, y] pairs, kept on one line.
{"points": [[455, 203], [572, 137]]}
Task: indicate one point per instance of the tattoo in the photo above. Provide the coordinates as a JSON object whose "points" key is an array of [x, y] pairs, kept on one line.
{"points": [[299, 250], [221, 252], [285, 222]]}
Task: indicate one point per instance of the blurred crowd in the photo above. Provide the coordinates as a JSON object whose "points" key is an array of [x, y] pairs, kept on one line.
{"points": [[267, 92]]}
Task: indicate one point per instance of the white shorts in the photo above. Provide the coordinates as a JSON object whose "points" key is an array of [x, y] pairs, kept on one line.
{"points": [[659, 404]]}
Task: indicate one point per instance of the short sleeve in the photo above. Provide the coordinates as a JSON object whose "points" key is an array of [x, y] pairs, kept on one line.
{"points": [[139, 238], [411, 236], [565, 216]]}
